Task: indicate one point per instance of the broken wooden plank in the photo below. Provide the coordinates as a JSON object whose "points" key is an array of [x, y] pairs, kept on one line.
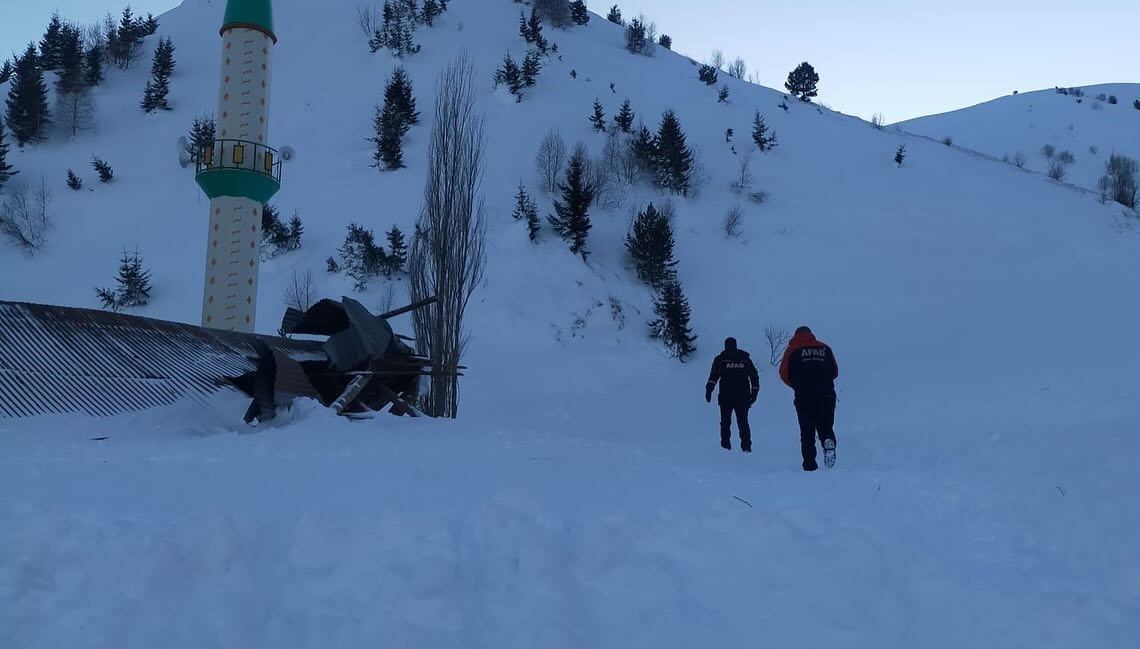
{"points": [[411, 307], [355, 387]]}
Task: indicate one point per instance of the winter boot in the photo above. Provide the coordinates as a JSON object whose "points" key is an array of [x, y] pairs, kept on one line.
{"points": [[726, 445], [829, 453]]}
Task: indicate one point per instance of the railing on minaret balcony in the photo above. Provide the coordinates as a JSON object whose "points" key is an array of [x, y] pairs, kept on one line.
{"points": [[238, 154]]}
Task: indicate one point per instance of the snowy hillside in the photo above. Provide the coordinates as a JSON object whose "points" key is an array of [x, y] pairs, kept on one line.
{"points": [[1088, 127], [983, 319]]}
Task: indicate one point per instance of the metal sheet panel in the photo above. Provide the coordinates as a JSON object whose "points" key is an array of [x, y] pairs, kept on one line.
{"points": [[59, 359]]}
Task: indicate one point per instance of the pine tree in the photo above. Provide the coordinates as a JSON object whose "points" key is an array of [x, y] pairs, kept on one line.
{"points": [[6, 170], [93, 66], [202, 134], [579, 13], [398, 95], [765, 140], [624, 118], [430, 11], [158, 87], [389, 129], [722, 96], [599, 117], [672, 324], [531, 66], [296, 230], [6, 71], [644, 146], [615, 16], [572, 219], [70, 60], [127, 44], [527, 210], [708, 74], [531, 30], [651, 247], [73, 181], [133, 284], [635, 36], [27, 113], [510, 75], [103, 169], [397, 257], [50, 44], [361, 258], [674, 159], [150, 25], [900, 155], [802, 82]]}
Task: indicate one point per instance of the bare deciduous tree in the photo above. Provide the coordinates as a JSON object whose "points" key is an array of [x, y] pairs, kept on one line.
{"points": [[738, 68], [744, 177], [25, 218], [717, 59], [733, 222], [778, 338], [75, 110], [301, 292], [1019, 160], [549, 160], [1120, 181], [448, 256], [368, 20], [877, 121]]}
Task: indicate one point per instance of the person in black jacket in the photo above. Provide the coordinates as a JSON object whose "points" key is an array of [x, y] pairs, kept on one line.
{"points": [[739, 385], [809, 368]]}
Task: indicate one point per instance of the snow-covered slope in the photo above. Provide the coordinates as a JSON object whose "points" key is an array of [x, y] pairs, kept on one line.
{"points": [[1090, 128], [987, 423]]}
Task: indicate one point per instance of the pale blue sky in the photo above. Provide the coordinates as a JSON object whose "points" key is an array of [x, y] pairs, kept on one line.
{"points": [[903, 58]]}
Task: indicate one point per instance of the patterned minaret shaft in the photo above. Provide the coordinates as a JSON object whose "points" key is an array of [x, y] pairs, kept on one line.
{"points": [[241, 174]]}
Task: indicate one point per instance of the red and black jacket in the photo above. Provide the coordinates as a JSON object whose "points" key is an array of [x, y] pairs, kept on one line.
{"points": [[809, 367]]}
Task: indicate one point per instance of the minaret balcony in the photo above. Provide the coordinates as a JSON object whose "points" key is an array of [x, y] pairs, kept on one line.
{"points": [[238, 168]]}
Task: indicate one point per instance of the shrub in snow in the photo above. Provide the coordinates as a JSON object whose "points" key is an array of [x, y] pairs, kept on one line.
{"points": [[1048, 150], [132, 284], [1059, 164], [784, 105], [557, 12], [614, 16], [360, 257], [665, 41], [733, 222], [900, 155], [1121, 181], [106, 173], [744, 177], [764, 139], [25, 219], [73, 181], [1112, 99], [708, 74], [1136, 104], [672, 324], [803, 82], [738, 69], [947, 140], [1019, 160], [877, 121], [722, 96]]}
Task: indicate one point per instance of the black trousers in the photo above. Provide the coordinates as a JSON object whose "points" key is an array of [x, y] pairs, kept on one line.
{"points": [[817, 417], [741, 410]]}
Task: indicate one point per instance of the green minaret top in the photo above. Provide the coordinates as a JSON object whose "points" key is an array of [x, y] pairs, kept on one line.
{"points": [[250, 14]]}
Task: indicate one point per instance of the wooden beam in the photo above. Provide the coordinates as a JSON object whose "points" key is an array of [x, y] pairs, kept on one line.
{"points": [[411, 307], [355, 387]]}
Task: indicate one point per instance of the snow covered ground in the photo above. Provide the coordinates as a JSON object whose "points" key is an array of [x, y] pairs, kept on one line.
{"points": [[1090, 128], [984, 321]]}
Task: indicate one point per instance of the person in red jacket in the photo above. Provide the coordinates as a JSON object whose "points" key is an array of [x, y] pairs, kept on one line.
{"points": [[809, 368]]}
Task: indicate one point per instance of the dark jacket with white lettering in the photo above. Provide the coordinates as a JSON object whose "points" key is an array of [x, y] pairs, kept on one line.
{"points": [[739, 380], [809, 367]]}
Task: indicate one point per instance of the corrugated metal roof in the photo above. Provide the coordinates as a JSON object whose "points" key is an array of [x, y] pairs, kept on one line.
{"points": [[60, 359]]}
